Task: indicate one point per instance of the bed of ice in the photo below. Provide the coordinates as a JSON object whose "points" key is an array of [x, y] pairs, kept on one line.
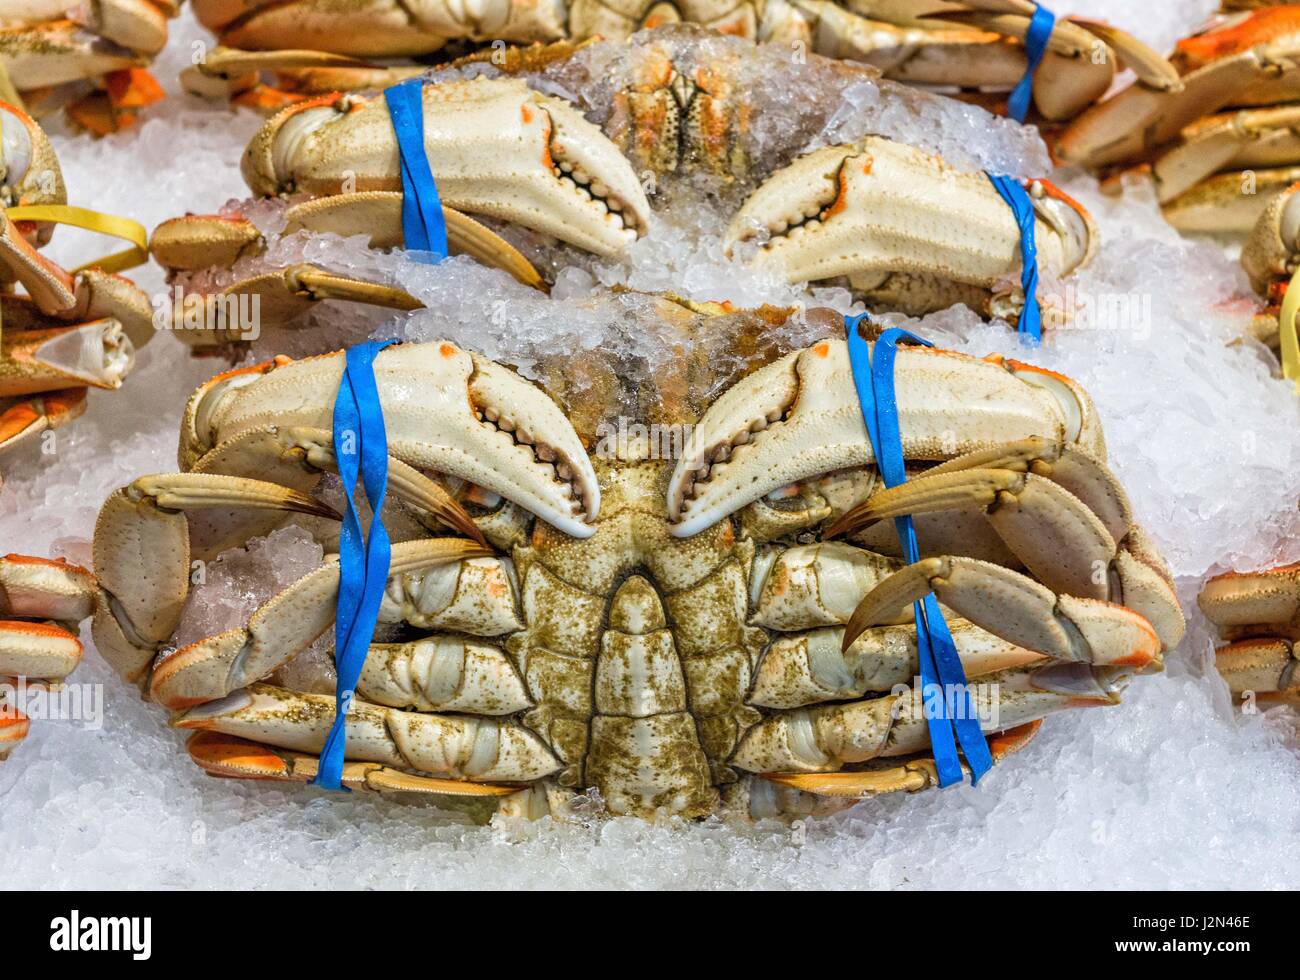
{"points": [[1171, 790]]}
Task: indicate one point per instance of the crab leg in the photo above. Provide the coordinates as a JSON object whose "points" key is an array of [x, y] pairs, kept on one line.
{"points": [[825, 739], [460, 746], [879, 210], [1025, 493], [1262, 669], [142, 557], [1015, 607], [812, 667], [909, 778], [1242, 604], [37, 650], [1261, 611], [41, 588], [238, 758], [201, 241], [29, 417], [60, 596], [89, 295], [1235, 141], [1248, 61], [280, 629]]}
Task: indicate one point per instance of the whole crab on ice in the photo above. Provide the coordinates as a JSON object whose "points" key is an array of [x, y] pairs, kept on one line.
{"points": [[722, 630]]}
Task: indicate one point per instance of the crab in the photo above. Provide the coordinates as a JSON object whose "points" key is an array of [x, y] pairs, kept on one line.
{"points": [[88, 58], [714, 633], [274, 52], [1220, 148], [1258, 613], [1270, 257], [905, 229], [70, 330], [42, 601]]}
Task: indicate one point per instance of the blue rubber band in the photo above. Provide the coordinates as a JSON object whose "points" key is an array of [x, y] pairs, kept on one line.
{"points": [[360, 449], [943, 679], [1017, 198], [423, 226], [1036, 38]]}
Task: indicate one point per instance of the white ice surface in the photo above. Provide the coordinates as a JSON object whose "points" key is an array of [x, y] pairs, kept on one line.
{"points": [[1171, 790]]}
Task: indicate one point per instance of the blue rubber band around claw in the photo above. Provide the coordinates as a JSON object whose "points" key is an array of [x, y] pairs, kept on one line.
{"points": [[1036, 38], [949, 710], [423, 226], [360, 449], [1017, 198]]}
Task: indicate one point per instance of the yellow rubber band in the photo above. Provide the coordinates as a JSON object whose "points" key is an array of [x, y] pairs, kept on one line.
{"points": [[96, 221], [1286, 326]]}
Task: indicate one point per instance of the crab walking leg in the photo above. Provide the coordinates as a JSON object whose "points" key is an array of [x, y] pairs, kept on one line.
{"points": [[86, 296], [1024, 493], [197, 242], [281, 628], [1017, 608], [295, 456], [29, 417], [1242, 604], [910, 777], [496, 148], [42, 588], [880, 209], [37, 650], [1231, 141], [812, 667], [379, 28], [238, 758], [1261, 670], [443, 673], [826, 739], [96, 354], [460, 746], [142, 557]]}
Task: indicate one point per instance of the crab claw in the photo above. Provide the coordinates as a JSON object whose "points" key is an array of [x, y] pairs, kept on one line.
{"points": [[495, 148], [880, 209], [799, 417], [446, 410]]}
